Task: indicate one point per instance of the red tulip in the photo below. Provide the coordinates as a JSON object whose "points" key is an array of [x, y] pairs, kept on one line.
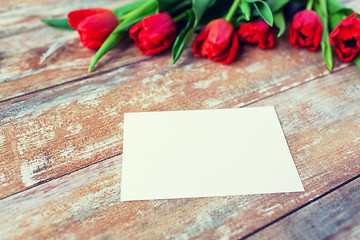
{"points": [[258, 32], [305, 30], [154, 33], [94, 25], [346, 38], [217, 41]]}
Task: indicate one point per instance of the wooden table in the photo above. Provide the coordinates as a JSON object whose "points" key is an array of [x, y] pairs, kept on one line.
{"points": [[61, 135]]}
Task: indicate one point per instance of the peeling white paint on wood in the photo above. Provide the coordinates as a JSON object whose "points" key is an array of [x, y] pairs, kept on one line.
{"points": [[66, 122], [31, 169], [254, 67]]}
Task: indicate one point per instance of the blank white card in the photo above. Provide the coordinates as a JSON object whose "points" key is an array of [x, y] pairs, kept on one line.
{"points": [[203, 153]]}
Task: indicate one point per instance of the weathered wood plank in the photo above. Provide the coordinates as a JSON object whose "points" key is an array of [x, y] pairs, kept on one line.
{"points": [[321, 122], [49, 57], [18, 17], [335, 216], [60, 58], [41, 57], [49, 133]]}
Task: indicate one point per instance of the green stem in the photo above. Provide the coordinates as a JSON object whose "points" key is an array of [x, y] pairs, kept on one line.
{"points": [[309, 4], [122, 17], [357, 61], [135, 11], [150, 7], [122, 12], [142, 8], [232, 10], [320, 8], [179, 17]]}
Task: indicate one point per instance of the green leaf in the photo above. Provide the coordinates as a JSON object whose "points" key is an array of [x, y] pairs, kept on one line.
{"points": [[279, 21], [321, 9], [126, 25], [276, 5], [111, 42], [334, 6], [184, 37], [150, 7], [199, 7], [335, 19], [263, 9], [60, 23], [246, 10], [194, 16], [327, 54], [357, 61], [337, 12], [120, 11]]}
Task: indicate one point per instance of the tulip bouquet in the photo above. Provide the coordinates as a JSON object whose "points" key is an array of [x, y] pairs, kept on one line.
{"points": [[156, 25]]}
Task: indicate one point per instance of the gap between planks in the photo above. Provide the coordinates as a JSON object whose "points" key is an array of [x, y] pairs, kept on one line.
{"points": [[351, 4], [301, 84], [341, 67], [133, 63], [120, 153], [301, 207], [74, 80], [294, 207], [66, 174], [252, 234]]}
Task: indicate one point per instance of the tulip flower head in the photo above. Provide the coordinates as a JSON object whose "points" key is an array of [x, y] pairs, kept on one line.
{"points": [[257, 32], [346, 38], [218, 41], [306, 30], [94, 25], [154, 33]]}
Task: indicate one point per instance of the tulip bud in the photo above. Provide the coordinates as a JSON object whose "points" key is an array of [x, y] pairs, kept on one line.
{"points": [[154, 33], [258, 32], [346, 38], [218, 41], [94, 25], [306, 30]]}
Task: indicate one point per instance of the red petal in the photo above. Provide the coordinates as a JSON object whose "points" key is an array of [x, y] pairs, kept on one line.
{"points": [[305, 30], [199, 40], [218, 41], [96, 28], [154, 33], [135, 30], [317, 37], [220, 33], [269, 41], [75, 17], [348, 28], [233, 49]]}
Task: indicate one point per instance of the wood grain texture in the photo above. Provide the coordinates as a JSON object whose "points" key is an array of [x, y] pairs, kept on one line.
{"points": [[59, 57], [61, 132], [37, 56], [50, 133], [322, 133], [335, 216], [18, 17]]}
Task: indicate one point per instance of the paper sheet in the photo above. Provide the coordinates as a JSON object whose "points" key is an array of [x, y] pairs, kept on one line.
{"points": [[203, 153]]}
